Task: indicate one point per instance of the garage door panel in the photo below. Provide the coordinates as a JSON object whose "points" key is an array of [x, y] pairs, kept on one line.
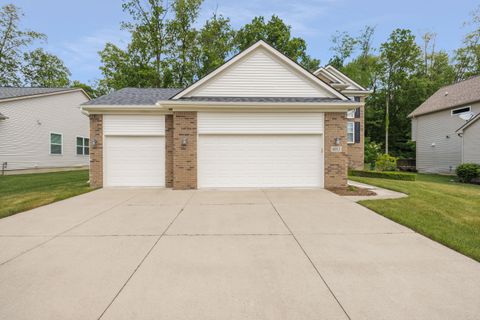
{"points": [[260, 161], [135, 161]]}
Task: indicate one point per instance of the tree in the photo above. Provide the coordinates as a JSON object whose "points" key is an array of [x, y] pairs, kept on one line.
{"points": [[343, 47], [278, 34], [467, 58], [399, 59], [13, 41], [42, 69], [92, 92], [215, 44], [183, 47]]}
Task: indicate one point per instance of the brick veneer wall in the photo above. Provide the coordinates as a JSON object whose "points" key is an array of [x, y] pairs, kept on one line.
{"points": [[336, 163], [356, 150], [185, 157], [96, 152], [169, 151]]}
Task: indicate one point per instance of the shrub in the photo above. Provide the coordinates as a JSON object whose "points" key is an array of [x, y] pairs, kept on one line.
{"points": [[386, 162], [372, 151], [384, 175], [466, 172]]}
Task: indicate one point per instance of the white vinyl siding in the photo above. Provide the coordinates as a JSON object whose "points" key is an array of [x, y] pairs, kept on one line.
{"points": [[134, 161], [260, 74], [471, 143], [351, 132], [25, 135], [439, 148], [134, 125], [260, 150], [260, 123]]}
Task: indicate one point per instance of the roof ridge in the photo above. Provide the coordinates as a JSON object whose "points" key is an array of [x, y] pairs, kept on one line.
{"points": [[459, 81]]}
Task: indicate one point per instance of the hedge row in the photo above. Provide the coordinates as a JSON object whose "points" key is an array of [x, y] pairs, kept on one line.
{"points": [[392, 175]]}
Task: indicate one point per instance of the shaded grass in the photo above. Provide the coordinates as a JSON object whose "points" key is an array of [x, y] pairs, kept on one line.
{"points": [[27, 191], [438, 207]]}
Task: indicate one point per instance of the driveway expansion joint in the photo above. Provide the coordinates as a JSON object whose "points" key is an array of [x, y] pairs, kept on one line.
{"points": [[146, 256], [307, 256]]}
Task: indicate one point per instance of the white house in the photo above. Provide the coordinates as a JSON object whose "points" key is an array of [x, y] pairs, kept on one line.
{"points": [[43, 128], [446, 129]]}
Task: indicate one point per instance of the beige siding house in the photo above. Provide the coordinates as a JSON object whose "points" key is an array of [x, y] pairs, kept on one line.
{"points": [[259, 120], [445, 129], [42, 128]]}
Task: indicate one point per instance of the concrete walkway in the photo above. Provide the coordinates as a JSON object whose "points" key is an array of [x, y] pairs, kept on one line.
{"points": [[380, 193], [247, 254]]}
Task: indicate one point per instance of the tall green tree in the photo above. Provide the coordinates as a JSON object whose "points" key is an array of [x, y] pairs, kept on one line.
{"points": [[400, 57], [216, 44], [343, 47], [43, 69], [183, 46], [278, 34], [467, 58], [13, 41]]}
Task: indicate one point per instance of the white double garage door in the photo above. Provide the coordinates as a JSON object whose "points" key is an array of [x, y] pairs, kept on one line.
{"points": [[233, 150]]}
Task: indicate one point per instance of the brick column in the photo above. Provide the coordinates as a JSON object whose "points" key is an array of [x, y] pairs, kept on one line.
{"points": [[96, 152], [169, 150], [185, 155], [356, 150], [336, 163]]}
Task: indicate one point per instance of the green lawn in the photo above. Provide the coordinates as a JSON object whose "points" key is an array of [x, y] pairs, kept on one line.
{"points": [[23, 192], [437, 207]]}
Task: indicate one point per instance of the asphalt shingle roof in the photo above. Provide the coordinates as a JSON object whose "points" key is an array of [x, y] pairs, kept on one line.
{"points": [[134, 96], [15, 92], [456, 94], [264, 99]]}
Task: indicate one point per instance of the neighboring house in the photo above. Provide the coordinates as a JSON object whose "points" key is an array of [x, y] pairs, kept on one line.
{"points": [[259, 120], [43, 128], [446, 129]]}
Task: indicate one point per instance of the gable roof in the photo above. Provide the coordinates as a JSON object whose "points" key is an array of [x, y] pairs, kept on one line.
{"points": [[457, 94], [10, 93], [338, 77], [134, 96], [299, 70], [468, 123]]}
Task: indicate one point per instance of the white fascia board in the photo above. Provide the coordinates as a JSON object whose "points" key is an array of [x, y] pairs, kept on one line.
{"points": [[329, 75], [176, 105], [273, 51], [339, 74], [122, 109]]}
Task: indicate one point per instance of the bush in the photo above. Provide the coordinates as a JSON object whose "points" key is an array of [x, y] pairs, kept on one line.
{"points": [[466, 172], [372, 151], [384, 175], [386, 162]]}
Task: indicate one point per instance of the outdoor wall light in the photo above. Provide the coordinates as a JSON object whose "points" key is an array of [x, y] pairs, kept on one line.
{"points": [[184, 141], [94, 143], [337, 141]]}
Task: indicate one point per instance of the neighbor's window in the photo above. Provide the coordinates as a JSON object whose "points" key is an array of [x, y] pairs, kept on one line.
{"points": [[461, 110], [82, 146], [350, 132], [55, 143], [351, 114]]}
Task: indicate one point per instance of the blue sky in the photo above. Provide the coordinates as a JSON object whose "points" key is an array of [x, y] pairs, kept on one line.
{"points": [[78, 29]]}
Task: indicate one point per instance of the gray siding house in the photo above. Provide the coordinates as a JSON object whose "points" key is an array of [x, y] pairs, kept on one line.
{"points": [[445, 127], [42, 129]]}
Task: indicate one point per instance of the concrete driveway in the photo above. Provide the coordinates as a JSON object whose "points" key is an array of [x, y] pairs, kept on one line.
{"points": [[250, 254]]}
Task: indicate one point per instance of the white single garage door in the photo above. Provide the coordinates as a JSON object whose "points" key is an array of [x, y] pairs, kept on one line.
{"points": [[260, 150], [134, 150]]}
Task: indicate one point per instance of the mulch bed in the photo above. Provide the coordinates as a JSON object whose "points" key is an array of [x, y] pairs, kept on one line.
{"points": [[352, 191]]}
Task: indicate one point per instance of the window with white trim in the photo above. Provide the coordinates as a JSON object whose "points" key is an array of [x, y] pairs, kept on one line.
{"points": [[351, 132], [351, 114], [461, 110], [56, 143], [83, 148]]}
